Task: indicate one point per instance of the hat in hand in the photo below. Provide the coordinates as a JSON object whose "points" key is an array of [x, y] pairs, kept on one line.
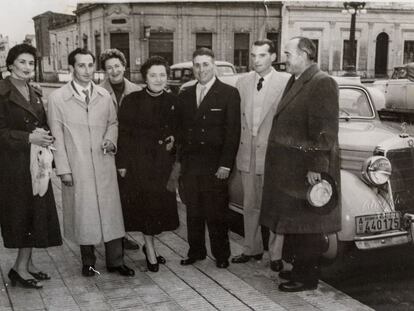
{"points": [[323, 196]]}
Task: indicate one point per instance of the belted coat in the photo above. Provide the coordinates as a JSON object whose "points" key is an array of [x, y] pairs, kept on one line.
{"points": [[91, 207], [26, 220], [303, 138]]}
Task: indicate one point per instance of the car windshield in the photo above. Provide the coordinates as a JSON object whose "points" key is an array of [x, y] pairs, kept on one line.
{"points": [[182, 74], [224, 70], [353, 103]]}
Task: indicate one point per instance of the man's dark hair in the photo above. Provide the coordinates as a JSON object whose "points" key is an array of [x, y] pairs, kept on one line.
{"points": [[154, 61], [83, 51], [112, 53], [203, 51], [269, 43], [17, 50], [306, 45]]}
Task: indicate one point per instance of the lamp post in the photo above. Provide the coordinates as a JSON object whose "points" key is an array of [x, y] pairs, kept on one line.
{"points": [[353, 8]]}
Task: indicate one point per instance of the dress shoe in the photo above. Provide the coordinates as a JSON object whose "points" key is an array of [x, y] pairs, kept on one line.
{"points": [[242, 258], [153, 267], [15, 279], [276, 265], [286, 275], [129, 244], [88, 270], [222, 264], [40, 276], [190, 260], [160, 259], [122, 270], [294, 286]]}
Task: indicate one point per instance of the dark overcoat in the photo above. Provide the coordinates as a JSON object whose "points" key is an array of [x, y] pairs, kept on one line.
{"points": [[26, 221], [209, 134], [304, 137]]}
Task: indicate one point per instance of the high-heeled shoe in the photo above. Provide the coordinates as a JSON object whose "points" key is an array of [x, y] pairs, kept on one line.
{"points": [[153, 267], [40, 276], [15, 279], [160, 259]]}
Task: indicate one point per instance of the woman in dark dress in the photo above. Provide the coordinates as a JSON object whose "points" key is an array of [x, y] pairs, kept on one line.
{"points": [[26, 220], [146, 156]]}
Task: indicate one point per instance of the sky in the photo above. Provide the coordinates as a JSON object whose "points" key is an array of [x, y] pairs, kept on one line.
{"points": [[16, 15]]}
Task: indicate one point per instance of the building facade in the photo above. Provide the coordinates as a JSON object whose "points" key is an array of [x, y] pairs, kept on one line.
{"points": [[384, 35], [174, 29]]}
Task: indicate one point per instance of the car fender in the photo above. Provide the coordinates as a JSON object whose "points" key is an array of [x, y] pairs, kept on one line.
{"points": [[358, 199]]}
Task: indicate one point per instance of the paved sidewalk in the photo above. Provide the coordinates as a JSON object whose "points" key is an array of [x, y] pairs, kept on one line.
{"points": [[250, 286]]}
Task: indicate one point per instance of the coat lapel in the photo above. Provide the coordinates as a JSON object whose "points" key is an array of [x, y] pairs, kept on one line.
{"points": [[17, 98], [208, 98], [248, 103], [273, 94], [297, 87]]}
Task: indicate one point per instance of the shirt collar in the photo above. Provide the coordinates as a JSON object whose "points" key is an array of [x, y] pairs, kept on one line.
{"points": [[207, 86], [264, 78], [80, 88]]}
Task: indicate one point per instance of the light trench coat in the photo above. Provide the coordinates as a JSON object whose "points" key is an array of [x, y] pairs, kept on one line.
{"points": [[91, 207]]}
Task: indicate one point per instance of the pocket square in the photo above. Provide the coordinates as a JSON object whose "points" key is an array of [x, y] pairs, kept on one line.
{"points": [[216, 109]]}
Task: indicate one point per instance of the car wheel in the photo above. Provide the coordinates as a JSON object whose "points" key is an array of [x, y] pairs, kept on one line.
{"points": [[335, 249]]}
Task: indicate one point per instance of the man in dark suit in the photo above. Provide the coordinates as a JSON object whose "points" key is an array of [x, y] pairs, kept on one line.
{"points": [[209, 118], [303, 143]]}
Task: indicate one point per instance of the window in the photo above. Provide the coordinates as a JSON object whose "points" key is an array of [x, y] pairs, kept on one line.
{"points": [[274, 37], [85, 41], [353, 103], [204, 40], [241, 51], [316, 42], [161, 44], [347, 60], [408, 52], [98, 50]]}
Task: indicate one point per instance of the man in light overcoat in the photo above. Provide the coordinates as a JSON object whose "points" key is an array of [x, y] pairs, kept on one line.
{"points": [[83, 120], [260, 91], [303, 145]]}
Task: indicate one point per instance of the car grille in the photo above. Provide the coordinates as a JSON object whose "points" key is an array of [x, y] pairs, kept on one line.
{"points": [[402, 178]]}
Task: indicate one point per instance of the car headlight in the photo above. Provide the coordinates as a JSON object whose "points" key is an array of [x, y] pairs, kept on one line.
{"points": [[376, 170]]}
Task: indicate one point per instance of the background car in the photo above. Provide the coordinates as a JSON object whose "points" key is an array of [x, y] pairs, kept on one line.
{"points": [[377, 176], [399, 94], [181, 73]]}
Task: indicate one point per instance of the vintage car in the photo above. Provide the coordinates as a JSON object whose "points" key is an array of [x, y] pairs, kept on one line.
{"points": [[181, 73], [399, 94], [377, 175]]}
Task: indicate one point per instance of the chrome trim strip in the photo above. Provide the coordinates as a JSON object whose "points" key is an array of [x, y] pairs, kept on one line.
{"points": [[381, 236]]}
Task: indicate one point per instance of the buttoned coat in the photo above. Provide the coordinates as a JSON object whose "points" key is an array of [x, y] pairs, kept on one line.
{"points": [[304, 137], [246, 86], [91, 207], [26, 220], [209, 135], [129, 88]]}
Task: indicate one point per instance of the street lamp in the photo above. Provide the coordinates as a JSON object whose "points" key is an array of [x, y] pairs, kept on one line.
{"points": [[353, 8]]}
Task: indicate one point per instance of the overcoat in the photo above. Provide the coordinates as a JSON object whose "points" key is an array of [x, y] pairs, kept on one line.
{"points": [[304, 137], [26, 220], [91, 207]]}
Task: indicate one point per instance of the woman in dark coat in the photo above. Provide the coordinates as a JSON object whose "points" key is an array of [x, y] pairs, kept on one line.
{"points": [[146, 156], [27, 220]]}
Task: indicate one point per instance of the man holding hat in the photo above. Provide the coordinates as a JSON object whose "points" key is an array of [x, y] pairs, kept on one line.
{"points": [[302, 154]]}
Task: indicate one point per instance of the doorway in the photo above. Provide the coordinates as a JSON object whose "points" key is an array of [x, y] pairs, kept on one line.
{"points": [[381, 55]]}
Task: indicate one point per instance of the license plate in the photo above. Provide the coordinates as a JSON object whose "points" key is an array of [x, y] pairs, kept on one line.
{"points": [[378, 222]]}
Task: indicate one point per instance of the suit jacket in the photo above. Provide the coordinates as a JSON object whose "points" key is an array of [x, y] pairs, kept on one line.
{"points": [[304, 137], [208, 135], [129, 88], [246, 86]]}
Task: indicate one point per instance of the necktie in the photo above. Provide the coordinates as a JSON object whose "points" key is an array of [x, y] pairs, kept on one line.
{"points": [[200, 98], [260, 84], [87, 99]]}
